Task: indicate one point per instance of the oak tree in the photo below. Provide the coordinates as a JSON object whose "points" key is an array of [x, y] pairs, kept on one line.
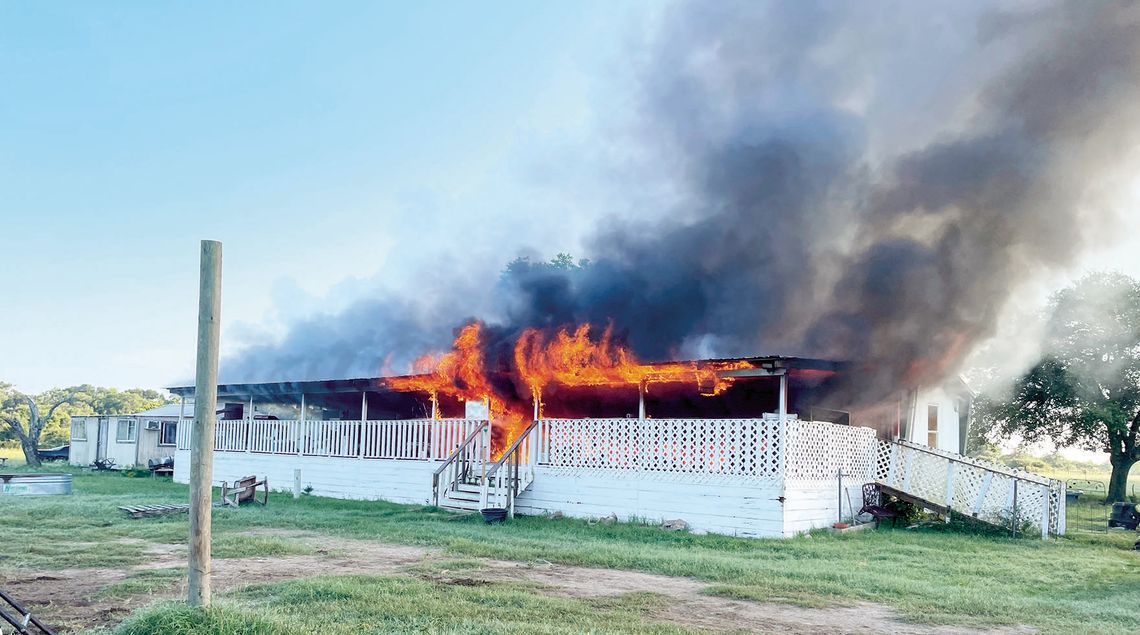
{"points": [[1085, 390]]}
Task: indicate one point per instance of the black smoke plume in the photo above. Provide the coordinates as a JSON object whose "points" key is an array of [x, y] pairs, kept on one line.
{"points": [[857, 181]]}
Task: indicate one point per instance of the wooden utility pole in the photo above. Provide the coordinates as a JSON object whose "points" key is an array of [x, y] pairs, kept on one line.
{"points": [[202, 434]]}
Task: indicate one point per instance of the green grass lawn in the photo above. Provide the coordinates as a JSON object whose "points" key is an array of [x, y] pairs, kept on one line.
{"points": [[349, 605], [1094, 482], [15, 456], [1088, 583]]}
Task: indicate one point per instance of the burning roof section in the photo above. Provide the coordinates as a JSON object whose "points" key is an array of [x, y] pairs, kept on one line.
{"points": [[519, 374], [759, 366]]}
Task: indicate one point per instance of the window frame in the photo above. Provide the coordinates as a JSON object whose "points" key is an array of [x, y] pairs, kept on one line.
{"points": [[81, 424], [132, 428], [162, 433], [932, 414]]}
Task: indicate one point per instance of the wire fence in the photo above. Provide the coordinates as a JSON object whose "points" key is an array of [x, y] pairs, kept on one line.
{"points": [[1086, 512]]}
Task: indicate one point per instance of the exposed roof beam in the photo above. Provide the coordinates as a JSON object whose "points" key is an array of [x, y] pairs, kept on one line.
{"points": [[753, 372]]}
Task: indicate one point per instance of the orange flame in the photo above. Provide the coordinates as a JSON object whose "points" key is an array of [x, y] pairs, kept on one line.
{"points": [[458, 373], [565, 358], [573, 359]]}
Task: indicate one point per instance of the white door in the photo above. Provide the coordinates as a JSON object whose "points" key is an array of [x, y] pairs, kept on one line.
{"points": [[104, 434]]}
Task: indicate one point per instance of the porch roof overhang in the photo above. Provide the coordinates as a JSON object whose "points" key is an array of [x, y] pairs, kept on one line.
{"points": [[770, 366]]}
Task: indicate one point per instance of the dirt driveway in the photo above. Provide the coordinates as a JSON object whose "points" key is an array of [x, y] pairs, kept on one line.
{"points": [[71, 598]]}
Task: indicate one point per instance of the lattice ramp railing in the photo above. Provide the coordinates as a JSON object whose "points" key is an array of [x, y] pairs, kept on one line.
{"points": [[694, 450], [974, 487]]}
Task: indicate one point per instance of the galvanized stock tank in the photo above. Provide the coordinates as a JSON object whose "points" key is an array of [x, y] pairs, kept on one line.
{"points": [[34, 484]]}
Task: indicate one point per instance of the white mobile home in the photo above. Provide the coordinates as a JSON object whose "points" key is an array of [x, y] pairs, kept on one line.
{"points": [[128, 440], [766, 457]]}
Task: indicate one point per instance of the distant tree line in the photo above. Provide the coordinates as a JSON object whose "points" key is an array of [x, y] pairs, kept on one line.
{"points": [[29, 421], [523, 265]]}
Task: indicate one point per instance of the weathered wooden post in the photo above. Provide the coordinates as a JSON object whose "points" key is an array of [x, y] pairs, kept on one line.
{"points": [[202, 434]]}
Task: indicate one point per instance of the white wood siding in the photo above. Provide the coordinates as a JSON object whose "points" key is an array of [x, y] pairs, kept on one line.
{"points": [[948, 422], [808, 507], [743, 511], [735, 510], [83, 452], [125, 453], [633, 469], [335, 477], [148, 447]]}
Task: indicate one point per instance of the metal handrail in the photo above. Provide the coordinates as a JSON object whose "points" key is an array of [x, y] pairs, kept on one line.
{"points": [[23, 617], [512, 449]]}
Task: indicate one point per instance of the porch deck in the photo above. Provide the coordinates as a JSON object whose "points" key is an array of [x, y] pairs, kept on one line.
{"points": [[759, 477]]}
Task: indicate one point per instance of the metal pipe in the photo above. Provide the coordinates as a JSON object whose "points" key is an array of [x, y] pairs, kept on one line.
{"points": [[839, 506], [641, 401], [782, 460], [301, 425], [783, 398], [1013, 514], [181, 416]]}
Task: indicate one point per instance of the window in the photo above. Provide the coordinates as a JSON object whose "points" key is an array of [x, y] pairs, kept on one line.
{"points": [[932, 426], [128, 430], [169, 434], [78, 429]]}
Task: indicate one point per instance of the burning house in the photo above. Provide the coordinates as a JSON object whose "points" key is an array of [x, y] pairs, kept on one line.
{"points": [[756, 446]]}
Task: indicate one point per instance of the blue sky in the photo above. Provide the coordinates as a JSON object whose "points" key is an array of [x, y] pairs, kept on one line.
{"points": [[331, 148], [335, 149]]}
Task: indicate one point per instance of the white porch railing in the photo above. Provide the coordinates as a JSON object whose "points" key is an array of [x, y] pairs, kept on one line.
{"points": [[405, 439], [809, 454], [738, 450], [791, 454]]}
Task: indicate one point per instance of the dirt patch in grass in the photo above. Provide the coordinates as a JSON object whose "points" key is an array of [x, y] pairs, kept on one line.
{"points": [[70, 599], [691, 606], [74, 599]]}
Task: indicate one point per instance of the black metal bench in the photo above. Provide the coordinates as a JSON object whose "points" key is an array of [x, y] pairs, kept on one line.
{"points": [[873, 504]]}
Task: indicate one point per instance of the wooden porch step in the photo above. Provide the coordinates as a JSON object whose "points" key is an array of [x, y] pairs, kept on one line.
{"points": [[460, 505], [463, 496]]}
